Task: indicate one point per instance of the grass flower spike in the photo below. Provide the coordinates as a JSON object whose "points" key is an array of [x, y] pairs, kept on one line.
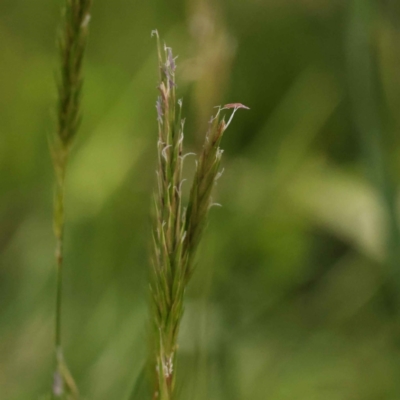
{"points": [[72, 45], [177, 229]]}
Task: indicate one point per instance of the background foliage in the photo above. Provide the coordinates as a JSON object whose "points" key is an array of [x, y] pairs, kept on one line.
{"points": [[295, 294]]}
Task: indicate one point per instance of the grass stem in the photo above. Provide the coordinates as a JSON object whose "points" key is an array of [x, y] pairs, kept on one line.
{"points": [[177, 229], [72, 44]]}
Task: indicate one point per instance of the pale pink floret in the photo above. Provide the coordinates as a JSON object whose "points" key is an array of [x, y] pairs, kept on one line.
{"points": [[236, 106]]}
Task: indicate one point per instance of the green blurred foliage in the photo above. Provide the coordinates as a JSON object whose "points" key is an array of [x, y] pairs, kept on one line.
{"points": [[296, 290]]}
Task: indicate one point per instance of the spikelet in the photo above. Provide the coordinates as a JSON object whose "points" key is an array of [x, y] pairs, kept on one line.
{"points": [[72, 45], [177, 232]]}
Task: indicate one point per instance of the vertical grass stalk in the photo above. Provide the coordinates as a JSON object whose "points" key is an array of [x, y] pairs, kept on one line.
{"points": [[72, 44], [177, 229], [365, 90]]}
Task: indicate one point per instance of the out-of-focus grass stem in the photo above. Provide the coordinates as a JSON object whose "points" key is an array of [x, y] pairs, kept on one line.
{"points": [[72, 44], [365, 93]]}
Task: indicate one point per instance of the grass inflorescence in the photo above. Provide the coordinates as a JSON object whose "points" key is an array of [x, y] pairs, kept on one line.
{"points": [[177, 228], [72, 45]]}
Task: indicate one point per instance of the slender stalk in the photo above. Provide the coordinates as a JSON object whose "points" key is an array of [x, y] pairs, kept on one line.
{"points": [[72, 44], [59, 258], [177, 230]]}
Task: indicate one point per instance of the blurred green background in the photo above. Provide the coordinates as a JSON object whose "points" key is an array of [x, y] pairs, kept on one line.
{"points": [[296, 290]]}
